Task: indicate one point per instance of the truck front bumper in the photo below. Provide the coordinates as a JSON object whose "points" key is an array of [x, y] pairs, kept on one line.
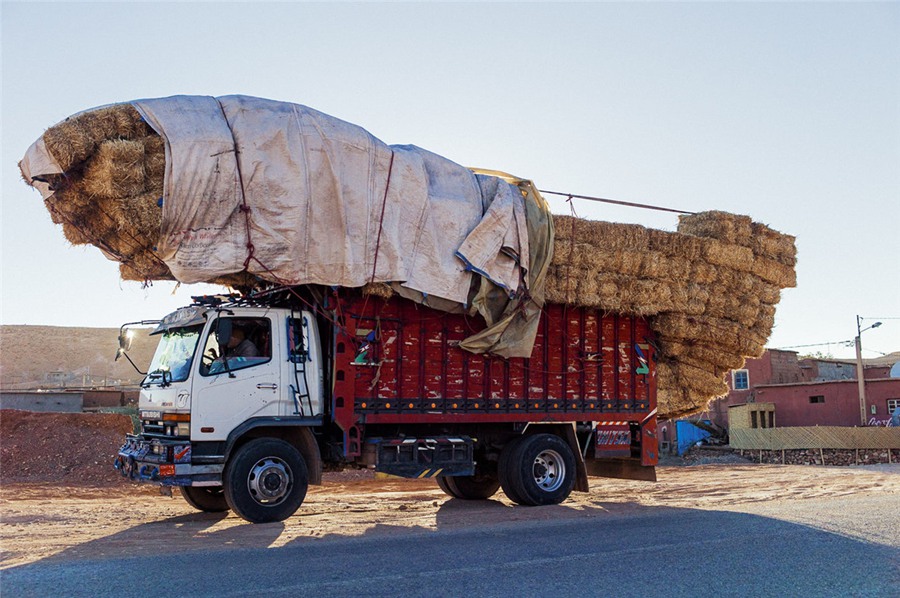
{"points": [[164, 462]]}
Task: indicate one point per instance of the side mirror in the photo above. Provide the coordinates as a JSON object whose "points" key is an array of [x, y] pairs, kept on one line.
{"points": [[223, 331], [126, 337]]}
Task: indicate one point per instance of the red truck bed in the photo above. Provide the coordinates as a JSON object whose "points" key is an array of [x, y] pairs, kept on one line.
{"points": [[399, 362]]}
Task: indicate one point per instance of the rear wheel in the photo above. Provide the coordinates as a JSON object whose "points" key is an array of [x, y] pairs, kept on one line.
{"points": [[210, 499], [538, 470], [266, 480], [480, 486]]}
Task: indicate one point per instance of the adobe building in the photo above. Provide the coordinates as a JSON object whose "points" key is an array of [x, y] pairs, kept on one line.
{"points": [[810, 392]]}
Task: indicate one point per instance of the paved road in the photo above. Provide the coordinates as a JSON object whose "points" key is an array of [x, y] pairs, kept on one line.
{"points": [[843, 546]]}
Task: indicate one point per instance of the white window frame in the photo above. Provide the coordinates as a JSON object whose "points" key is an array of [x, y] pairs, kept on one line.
{"points": [[734, 376]]}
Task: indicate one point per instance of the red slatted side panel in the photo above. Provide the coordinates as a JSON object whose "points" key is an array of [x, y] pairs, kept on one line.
{"points": [[588, 362]]}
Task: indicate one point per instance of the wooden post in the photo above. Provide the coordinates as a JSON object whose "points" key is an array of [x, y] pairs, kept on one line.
{"points": [[822, 456], [782, 456], [857, 456]]}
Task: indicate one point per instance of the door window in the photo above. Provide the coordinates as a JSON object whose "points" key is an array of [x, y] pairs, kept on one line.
{"points": [[241, 343]]}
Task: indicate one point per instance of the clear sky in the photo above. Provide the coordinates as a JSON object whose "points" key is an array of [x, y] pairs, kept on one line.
{"points": [[789, 113]]}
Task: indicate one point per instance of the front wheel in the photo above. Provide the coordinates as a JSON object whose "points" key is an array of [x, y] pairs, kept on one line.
{"points": [[266, 480], [210, 499], [538, 470]]}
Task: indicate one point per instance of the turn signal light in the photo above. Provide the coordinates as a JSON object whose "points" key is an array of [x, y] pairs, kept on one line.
{"points": [[176, 417]]}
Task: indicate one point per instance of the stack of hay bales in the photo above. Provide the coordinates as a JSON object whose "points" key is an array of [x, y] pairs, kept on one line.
{"points": [[110, 194], [709, 289]]}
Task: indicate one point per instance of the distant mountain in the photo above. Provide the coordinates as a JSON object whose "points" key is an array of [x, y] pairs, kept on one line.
{"points": [[50, 357]]}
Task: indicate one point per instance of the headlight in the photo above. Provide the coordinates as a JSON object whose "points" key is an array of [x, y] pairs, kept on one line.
{"points": [[184, 429]]}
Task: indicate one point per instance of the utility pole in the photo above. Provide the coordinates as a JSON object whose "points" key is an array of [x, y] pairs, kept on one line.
{"points": [[860, 373]]}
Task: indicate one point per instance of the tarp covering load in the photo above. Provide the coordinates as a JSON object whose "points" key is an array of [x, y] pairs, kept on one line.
{"points": [[240, 190], [254, 188]]}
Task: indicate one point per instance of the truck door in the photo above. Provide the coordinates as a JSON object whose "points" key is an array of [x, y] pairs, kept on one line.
{"points": [[237, 377]]}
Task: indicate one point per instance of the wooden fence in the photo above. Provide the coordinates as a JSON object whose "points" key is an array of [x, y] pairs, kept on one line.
{"points": [[819, 437]]}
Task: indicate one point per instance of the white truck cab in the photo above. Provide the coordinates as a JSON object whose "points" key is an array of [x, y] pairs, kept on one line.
{"points": [[218, 373]]}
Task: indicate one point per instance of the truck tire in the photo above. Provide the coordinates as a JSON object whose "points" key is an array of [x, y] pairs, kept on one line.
{"points": [[210, 499], [538, 470], [480, 486], [504, 469], [266, 480]]}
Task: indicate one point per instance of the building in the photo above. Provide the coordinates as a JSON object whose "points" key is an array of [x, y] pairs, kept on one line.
{"points": [[810, 391]]}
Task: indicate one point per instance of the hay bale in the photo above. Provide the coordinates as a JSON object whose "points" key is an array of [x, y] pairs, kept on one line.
{"points": [[74, 140], [116, 169], [729, 255], [773, 244], [731, 228], [142, 218], [378, 289], [676, 244], [775, 272]]}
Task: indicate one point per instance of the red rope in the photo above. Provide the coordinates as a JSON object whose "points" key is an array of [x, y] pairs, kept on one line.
{"points": [[387, 186]]}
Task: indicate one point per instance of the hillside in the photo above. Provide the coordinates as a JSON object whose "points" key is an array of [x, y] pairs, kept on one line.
{"points": [[55, 356]]}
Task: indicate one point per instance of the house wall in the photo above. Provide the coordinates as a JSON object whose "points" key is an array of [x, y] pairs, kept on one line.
{"points": [[841, 406]]}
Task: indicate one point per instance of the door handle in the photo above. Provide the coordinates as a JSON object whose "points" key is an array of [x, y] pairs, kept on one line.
{"points": [[269, 386]]}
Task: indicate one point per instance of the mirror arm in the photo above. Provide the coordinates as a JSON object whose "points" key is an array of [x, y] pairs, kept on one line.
{"points": [[121, 352]]}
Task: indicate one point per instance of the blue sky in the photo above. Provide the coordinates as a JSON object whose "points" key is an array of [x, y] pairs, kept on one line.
{"points": [[787, 112]]}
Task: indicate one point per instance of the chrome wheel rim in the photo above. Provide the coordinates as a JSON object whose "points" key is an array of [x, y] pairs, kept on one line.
{"points": [[270, 481], [549, 470]]}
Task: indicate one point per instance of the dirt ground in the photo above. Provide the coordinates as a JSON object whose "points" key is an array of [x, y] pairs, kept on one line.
{"points": [[84, 514]]}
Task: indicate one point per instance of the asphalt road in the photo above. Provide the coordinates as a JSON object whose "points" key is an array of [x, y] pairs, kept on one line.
{"points": [[838, 546]]}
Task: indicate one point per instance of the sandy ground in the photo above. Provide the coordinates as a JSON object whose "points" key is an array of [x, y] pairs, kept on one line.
{"points": [[47, 521]]}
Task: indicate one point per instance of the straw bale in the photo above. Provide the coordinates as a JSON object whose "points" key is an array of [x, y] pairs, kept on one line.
{"points": [[675, 244], [706, 383], [608, 235], [725, 254], [378, 289], [689, 298], [775, 272], [144, 266], [154, 160], [767, 293], [678, 268], [700, 355], [645, 297], [703, 272], [142, 218], [116, 169], [710, 331], [733, 281], [730, 228], [771, 243], [72, 141], [738, 308]]}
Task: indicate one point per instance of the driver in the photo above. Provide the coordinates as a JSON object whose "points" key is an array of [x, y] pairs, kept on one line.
{"points": [[239, 345]]}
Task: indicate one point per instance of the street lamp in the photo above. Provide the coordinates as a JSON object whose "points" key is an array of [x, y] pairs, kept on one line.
{"points": [[860, 375]]}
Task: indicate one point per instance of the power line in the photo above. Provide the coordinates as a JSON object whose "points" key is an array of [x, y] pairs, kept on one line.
{"points": [[616, 202], [847, 342]]}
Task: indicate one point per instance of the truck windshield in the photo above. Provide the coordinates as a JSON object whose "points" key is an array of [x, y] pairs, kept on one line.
{"points": [[174, 355]]}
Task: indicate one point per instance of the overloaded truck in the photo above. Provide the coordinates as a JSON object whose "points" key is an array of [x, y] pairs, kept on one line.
{"points": [[248, 400]]}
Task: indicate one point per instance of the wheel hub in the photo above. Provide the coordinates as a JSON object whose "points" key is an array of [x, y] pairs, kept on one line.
{"points": [[270, 481], [549, 470]]}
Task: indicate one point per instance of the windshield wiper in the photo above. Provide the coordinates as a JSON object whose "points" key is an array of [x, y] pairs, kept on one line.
{"points": [[152, 375]]}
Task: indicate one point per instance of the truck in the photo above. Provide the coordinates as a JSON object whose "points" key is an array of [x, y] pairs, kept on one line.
{"points": [[248, 400]]}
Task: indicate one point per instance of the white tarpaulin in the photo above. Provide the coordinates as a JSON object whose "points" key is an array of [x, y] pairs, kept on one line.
{"points": [[316, 209], [294, 196]]}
